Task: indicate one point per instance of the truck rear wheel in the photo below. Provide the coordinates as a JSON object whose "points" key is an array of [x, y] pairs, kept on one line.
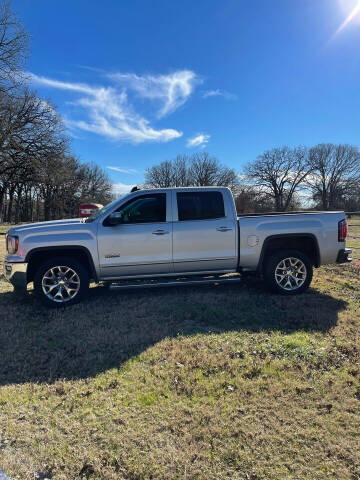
{"points": [[288, 272], [61, 281]]}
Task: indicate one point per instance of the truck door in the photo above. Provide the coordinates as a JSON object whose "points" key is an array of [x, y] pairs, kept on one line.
{"points": [[204, 232], [142, 243]]}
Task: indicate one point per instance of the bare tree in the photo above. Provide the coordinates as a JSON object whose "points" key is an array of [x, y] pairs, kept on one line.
{"points": [[335, 175], [249, 199], [30, 129], [180, 171], [197, 170], [38, 174], [206, 171], [161, 176], [13, 47], [351, 200], [39, 178], [94, 184], [279, 173]]}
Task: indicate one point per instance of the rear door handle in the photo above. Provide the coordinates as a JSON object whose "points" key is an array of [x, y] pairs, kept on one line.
{"points": [[160, 232], [223, 229]]}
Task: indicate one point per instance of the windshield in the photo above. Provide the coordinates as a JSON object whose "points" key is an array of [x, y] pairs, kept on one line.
{"points": [[105, 209]]}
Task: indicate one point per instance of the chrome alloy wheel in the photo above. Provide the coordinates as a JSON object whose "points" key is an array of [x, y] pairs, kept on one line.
{"points": [[290, 273], [60, 284]]}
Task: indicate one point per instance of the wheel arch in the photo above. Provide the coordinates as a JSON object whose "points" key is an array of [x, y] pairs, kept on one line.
{"points": [[306, 243], [35, 256]]}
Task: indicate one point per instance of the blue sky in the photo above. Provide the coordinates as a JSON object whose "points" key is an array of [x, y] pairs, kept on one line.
{"points": [[141, 81]]}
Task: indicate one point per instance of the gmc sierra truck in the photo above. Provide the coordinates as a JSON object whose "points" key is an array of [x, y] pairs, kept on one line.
{"points": [[172, 236]]}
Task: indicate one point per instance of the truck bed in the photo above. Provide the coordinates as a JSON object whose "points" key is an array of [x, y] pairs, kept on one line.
{"points": [[291, 230]]}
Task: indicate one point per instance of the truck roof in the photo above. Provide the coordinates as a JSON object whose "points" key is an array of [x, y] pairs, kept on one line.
{"points": [[214, 187]]}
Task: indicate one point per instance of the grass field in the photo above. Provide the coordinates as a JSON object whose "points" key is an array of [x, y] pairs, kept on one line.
{"points": [[207, 384], [354, 237]]}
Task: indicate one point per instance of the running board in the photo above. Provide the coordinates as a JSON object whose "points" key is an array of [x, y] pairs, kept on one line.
{"points": [[174, 283]]}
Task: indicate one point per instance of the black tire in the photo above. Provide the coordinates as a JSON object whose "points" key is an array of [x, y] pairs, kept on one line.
{"points": [[273, 278], [82, 287]]}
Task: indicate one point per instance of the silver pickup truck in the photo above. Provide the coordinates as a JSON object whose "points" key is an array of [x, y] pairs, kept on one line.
{"points": [[169, 237]]}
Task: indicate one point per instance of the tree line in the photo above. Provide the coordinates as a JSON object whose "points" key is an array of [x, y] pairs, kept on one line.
{"points": [[40, 178], [323, 177]]}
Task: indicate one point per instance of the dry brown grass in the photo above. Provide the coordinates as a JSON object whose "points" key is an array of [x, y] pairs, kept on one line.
{"points": [[4, 227], [208, 383]]}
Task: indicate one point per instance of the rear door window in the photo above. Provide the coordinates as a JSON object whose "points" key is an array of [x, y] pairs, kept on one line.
{"points": [[200, 205]]}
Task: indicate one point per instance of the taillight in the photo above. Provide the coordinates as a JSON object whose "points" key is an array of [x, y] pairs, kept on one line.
{"points": [[342, 230]]}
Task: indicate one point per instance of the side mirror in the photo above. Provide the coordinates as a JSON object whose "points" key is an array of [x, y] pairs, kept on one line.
{"points": [[115, 218]]}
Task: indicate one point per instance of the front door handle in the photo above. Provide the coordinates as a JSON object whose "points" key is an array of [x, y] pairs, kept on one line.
{"points": [[223, 229], [160, 232]]}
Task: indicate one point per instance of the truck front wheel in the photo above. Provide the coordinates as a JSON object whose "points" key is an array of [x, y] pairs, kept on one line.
{"points": [[61, 281], [288, 272]]}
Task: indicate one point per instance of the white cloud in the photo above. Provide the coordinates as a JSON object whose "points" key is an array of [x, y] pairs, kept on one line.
{"points": [[123, 170], [75, 87], [171, 90], [108, 113], [121, 188], [219, 93], [198, 141]]}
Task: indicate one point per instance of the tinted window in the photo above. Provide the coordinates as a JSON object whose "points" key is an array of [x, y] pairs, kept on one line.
{"points": [[145, 209], [200, 205]]}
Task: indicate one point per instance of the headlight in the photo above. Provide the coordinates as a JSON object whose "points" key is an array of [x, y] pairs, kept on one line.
{"points": [[12, 243]]}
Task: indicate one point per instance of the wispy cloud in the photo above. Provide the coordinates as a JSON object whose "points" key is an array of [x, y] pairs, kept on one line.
{"points": [[198, 141], [123, 170], [171, 91], [91, 69], [121, 188], [108, 111], [219, 93]]}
